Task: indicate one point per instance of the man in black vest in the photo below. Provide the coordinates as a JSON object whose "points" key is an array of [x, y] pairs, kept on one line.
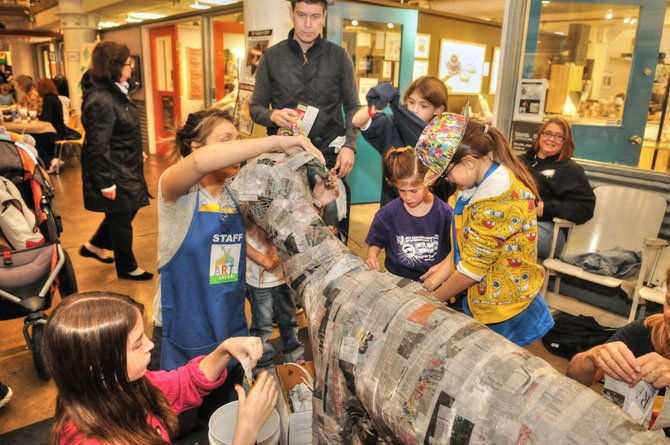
{"points": [[306, 70]]}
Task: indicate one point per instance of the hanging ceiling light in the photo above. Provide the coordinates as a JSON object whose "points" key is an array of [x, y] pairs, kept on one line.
{"points": [[145, 15]]}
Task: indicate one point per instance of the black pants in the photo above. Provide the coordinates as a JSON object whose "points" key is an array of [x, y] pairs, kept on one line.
{"points": [[198, 418], [116, 233], [45, 143]]}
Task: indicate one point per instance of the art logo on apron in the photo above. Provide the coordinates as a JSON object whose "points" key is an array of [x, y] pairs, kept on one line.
{"points": [[224, 261]]}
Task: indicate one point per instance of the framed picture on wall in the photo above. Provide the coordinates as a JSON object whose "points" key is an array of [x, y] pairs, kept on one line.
{"points": [[420, 69], [495, 64], [194, 71], [392, 46], [461, 66], [422, 46]]}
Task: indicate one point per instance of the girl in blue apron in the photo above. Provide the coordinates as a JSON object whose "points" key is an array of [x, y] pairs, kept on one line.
{"points": [[201, 241], [494, 229]]}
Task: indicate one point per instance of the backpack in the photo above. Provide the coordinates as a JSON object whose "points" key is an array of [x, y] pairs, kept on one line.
{"points": [[17, 220], [574, 334]]}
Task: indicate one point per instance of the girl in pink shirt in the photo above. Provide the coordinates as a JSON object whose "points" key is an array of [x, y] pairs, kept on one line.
{"points": [[97, 353]]}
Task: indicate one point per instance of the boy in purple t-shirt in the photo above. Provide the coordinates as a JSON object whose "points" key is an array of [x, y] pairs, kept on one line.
{"points": [[414, 228]]}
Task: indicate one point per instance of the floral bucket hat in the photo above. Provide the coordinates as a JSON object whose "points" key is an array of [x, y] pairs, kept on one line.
{"points": [[438, 143]]}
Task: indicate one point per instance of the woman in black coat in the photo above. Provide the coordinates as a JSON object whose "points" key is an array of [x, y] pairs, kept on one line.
{"points": [[565, 191], [112, 158]]}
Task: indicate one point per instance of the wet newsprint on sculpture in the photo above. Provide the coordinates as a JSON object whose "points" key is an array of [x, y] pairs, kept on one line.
{"points": [[393, 364]]}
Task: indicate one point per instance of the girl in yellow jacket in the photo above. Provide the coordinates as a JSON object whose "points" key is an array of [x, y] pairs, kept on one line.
{"points": [[494, 228]]}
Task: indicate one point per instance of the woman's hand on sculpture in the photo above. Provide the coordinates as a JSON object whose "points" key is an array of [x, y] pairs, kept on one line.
{"points": [[290, 143], [540, 208]]}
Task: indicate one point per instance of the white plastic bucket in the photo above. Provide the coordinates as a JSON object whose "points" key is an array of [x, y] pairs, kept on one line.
{"points": [[223, 421]]}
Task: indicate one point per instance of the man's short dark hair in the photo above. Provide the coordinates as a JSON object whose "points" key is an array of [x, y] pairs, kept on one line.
{"points": [[323, 3]]}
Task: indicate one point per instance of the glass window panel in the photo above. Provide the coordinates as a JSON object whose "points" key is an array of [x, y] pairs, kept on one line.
{"points": [[585, 51], [655, 153], [164, 58], [229, 47], [375, 50]]}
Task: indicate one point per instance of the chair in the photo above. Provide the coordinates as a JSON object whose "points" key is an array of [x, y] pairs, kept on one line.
{"points": [[651, 282], [623, 217], [73, 122]]}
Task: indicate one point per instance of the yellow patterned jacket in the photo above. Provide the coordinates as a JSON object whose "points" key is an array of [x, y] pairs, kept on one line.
{"points": [[497, 239]]}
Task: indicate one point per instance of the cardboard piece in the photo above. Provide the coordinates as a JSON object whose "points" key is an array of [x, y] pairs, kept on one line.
{"points": [[296, 427]]}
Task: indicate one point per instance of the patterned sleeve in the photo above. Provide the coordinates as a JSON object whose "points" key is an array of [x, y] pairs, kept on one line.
{"points": [[482, 239]]}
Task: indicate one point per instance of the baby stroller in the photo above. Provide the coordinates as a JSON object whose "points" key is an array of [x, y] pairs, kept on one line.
{"points": [[34, 263]]}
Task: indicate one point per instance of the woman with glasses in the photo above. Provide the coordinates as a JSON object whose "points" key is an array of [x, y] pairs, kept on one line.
{"points": [[565, 191], [112, 159]]}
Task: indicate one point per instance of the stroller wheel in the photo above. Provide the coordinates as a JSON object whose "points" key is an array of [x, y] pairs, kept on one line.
{"points": [[36, 348]]}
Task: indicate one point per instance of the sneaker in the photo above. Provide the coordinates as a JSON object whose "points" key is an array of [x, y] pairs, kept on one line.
{"points": [[300, 360], [5, 394]]}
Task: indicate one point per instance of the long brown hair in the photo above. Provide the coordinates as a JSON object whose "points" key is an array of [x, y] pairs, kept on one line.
{"points": [[431, 89], [46, 86], [197, 128], [85, 348], [401, 164], [568, 148], [659, 333], [481, 140]]}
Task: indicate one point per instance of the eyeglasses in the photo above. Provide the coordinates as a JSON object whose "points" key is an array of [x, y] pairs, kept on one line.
{"points": [[131, 63], [449, 168], [557, 136]]}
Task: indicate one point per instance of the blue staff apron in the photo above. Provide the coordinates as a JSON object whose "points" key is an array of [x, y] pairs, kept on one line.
{"points": [[202, 286], [526, 326]]}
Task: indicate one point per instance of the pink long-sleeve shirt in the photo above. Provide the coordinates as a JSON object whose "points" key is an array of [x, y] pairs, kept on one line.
{"points": [[184, 387]]}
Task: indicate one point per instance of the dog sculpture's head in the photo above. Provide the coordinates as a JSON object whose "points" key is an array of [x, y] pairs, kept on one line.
{"points": [[274, 192]]}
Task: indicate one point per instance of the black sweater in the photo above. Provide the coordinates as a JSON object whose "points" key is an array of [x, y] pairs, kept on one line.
{"points": [[52, 111], [564, 188]]}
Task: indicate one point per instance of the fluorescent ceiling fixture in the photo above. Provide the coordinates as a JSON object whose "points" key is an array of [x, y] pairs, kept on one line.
{"points": [[626, 20], [107, 24], [609, 16], [559, 33], [545, 2], [633, 21], [132, 20], [219, 2], [354, 22], [389, 25], [145, 15], [197, 5]]}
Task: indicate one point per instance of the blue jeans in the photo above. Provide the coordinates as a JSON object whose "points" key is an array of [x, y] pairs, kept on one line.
{"points": [[545, 235], [265, 301]]}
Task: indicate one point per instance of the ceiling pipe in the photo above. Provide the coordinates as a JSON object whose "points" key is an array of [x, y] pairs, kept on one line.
{"points": [[30, 33]]}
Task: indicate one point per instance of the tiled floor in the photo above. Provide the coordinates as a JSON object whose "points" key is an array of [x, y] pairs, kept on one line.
{"points": [[34, 399]]}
